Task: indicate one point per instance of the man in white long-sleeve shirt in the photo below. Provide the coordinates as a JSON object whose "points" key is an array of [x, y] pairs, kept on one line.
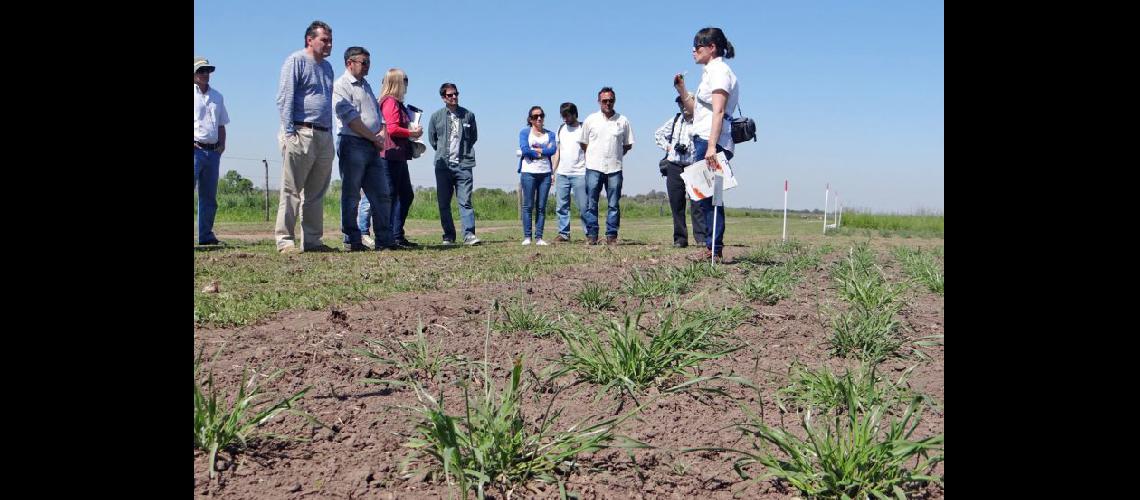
{"points": [[676, 138]]}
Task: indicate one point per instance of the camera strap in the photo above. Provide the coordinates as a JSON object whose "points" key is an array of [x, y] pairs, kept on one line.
{"points": [[670, 138]]}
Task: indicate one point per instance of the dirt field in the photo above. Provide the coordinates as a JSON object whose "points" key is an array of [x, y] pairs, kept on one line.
{"points": [[358, 455]]}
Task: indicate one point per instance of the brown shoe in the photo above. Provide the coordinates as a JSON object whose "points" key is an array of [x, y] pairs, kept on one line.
{"points": [[320, 248], [562, 239], [591, 240], [611, 240]]}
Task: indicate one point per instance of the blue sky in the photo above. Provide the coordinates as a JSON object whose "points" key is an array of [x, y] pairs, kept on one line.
{"points": [[847, 93]]}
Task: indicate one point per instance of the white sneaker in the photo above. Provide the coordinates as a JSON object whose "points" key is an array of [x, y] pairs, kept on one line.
{"points": [[526, 241], [541, 242], [470, 239], [367, 240]]}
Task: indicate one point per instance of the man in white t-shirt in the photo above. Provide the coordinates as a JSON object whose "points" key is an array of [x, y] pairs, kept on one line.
{"points": [[606, 137], [569, 171]]}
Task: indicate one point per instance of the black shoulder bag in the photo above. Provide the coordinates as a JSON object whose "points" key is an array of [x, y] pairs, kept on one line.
{"points": [[743, 128]]}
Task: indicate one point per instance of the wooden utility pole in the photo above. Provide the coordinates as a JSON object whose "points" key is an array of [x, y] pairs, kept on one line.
{"points": [[266, 163]]}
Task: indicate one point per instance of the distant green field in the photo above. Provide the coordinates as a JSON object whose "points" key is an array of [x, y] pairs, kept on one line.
{"points": [[489, 204], [888, 224]]}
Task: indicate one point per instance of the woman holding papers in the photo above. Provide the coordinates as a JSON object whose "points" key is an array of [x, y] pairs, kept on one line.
{"points": [[398, 150], [716, 95], [537, 146]]}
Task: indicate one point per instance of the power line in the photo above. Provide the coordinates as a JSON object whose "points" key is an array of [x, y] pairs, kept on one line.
{"points": [[228, 157]]}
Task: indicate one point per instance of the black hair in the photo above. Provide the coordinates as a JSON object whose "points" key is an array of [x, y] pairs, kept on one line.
{"points": [[568, 108], [712, 35], [311, 31], [532, 108], [354, 51]]}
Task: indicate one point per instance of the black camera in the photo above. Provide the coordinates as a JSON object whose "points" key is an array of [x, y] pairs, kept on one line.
{"points": [[681, 148]]}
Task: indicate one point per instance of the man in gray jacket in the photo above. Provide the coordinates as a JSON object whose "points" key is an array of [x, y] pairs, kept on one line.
{"points": [[452, 133]]}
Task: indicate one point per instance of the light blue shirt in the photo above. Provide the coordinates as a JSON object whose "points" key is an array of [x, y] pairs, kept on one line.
{"points": [[304, 93], [352, 99]]}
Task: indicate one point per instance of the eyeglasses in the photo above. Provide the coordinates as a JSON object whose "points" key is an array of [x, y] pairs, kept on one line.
{"points": [[451, 94], [607, 101], [366, 62], [538, 117], [202, 71]]}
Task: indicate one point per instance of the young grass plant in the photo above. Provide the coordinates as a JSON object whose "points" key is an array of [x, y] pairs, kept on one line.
{"points": [[724, 319], [218, 428], [803, 260], [790, 247], [824, 390], [773, 284], [492, 444], [922, 267], [696, 271], [762, 256], [415, 359], [622, 357], [856, 454], [868, 335], [522, 317], [596, 297], [862, 284], [651, 283]]}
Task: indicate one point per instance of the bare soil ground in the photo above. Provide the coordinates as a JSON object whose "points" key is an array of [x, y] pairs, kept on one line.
{"points": [[358, 455]]}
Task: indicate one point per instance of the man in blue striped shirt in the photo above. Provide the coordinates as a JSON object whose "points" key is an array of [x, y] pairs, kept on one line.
{"points": [[304, 101]]}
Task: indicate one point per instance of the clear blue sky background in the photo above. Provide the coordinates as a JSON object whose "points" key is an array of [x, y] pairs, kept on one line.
{"points": [[849, 93]]}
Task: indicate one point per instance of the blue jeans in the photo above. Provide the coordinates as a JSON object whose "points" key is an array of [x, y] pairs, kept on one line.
{"points": [[535, 189], [700, 147], [594, 182], [360, 167], [402, 196], [206, 180], [454, 179], [564, 186], [364, 212]]}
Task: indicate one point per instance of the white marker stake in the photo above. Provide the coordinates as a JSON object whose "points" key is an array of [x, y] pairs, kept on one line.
{"points": [[718, 194], [826, 192], [785, 236], [835, 213], [838, 210]]}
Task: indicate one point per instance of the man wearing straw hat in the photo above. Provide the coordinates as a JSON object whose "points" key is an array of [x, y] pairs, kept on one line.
{"points": [[210, 119]]}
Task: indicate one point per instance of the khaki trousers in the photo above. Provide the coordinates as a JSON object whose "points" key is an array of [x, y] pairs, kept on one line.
{"points": [[305, 174]]}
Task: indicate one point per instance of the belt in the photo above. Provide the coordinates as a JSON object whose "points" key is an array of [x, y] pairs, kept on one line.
{"points": [[208, 147], [311, 125]]}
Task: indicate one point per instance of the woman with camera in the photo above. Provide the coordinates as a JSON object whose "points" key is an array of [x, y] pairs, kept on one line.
{"points": [[716, 95], [676, 138]]}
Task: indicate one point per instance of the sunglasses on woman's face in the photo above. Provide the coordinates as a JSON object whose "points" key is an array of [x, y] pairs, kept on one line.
{"points": [[537, 117]]}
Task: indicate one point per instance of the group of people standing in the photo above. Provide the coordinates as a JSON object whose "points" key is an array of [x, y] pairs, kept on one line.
{"points": [[585, 157], [377, 138]]}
